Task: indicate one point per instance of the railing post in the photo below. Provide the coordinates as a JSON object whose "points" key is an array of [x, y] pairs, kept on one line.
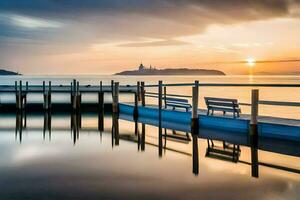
{"points": [[101, 108], [45, 105], [112, 83], [74, 101], [78, 99], [165, 96], [160, 118], [25, 95], [138, 90], [160, 97], [20, 96], [116, 98], [253, 134], [136, 104], [195, 99], [49, 96], [143, 93], [17, 95]]}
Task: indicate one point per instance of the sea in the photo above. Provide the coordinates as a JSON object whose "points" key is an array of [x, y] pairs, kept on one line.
{"points": [[130, 160]]}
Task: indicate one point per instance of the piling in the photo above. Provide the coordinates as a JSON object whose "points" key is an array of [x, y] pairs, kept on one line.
{"points": [[138, 90], [195, 98], [78, 97], [253, 133], [100, 108], [143, 93], [45, 94], [17, 95], [160, 119], [115, 105], [135, 111], [25, 95], [74, 96], [112, 83], [49, 96]]}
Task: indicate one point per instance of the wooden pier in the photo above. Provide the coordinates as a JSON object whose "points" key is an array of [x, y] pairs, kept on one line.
{"points": [[252, 124]]}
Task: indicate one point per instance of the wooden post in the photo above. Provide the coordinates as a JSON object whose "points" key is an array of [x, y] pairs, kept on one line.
{"points": [[25, 95], [101, 108], [45, 105], [17, 95], [138, 90], [143, 93], [160, 97], [253, 134], [195, 99], [78, 97], [135, 111], [71, 95], [74, 101], [116, 98], [112, 83], [20, 96], [254, 106], [165, 96], [160, 118]]}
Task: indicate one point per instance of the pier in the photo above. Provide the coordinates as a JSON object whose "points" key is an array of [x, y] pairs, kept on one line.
{"points": [[195, 119]]}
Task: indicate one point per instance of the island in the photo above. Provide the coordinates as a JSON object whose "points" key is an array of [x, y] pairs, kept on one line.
{"points": [[144, 71], [5, 72]]}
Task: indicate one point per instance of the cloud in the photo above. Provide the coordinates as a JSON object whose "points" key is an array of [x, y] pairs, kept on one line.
{"points": [[32, 23], [131, 19], [154, 43]]}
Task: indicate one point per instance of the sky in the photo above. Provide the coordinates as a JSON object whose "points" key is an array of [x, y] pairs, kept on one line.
{"points": [[107, 36]]}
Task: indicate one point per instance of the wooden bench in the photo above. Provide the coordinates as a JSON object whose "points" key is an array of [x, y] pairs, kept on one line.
{"points": [[222, 104], [177, 103]]}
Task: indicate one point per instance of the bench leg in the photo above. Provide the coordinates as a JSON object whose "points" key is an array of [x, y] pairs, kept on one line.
{"points": [[224, 112], [207, 112]]}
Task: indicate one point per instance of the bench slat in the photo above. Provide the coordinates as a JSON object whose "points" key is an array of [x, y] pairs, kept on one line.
{"points": [[225, 109], [220, 99], [179, 105], [176, 100], [222, 104]]}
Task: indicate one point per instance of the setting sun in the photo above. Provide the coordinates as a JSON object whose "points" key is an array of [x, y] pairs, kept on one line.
{"points": [[250, 62]]}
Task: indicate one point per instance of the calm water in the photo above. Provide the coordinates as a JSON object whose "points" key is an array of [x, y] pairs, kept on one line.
{"points": [[125, 162], [128, 160]]}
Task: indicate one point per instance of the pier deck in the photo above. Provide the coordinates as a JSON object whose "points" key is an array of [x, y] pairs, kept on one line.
{"points": [[273, 127]]}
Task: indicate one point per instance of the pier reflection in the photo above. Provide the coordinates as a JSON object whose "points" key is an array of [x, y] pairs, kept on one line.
{"points": [[165, 139]]}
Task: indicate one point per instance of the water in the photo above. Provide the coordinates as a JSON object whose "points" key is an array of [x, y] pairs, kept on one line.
{"points": [[66, 161], [70, 163]]}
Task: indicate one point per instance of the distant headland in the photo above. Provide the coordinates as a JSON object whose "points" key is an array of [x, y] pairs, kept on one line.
{"points": [[144, 71], [5, 72]]}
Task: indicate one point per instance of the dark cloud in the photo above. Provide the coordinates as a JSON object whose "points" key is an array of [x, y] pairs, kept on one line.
{"points": [[134, 19]]}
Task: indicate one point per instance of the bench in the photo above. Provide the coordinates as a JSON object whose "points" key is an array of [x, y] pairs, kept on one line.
{"points": [[177, 103], [222, 104]]}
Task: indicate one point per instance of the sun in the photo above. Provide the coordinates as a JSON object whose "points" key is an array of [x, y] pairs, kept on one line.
{"points": [[250, 62]]}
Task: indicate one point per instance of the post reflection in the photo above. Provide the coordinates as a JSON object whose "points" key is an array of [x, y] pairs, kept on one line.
{"points": [[47, 124], [254, 155], [115, 129], [75, 126]]}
